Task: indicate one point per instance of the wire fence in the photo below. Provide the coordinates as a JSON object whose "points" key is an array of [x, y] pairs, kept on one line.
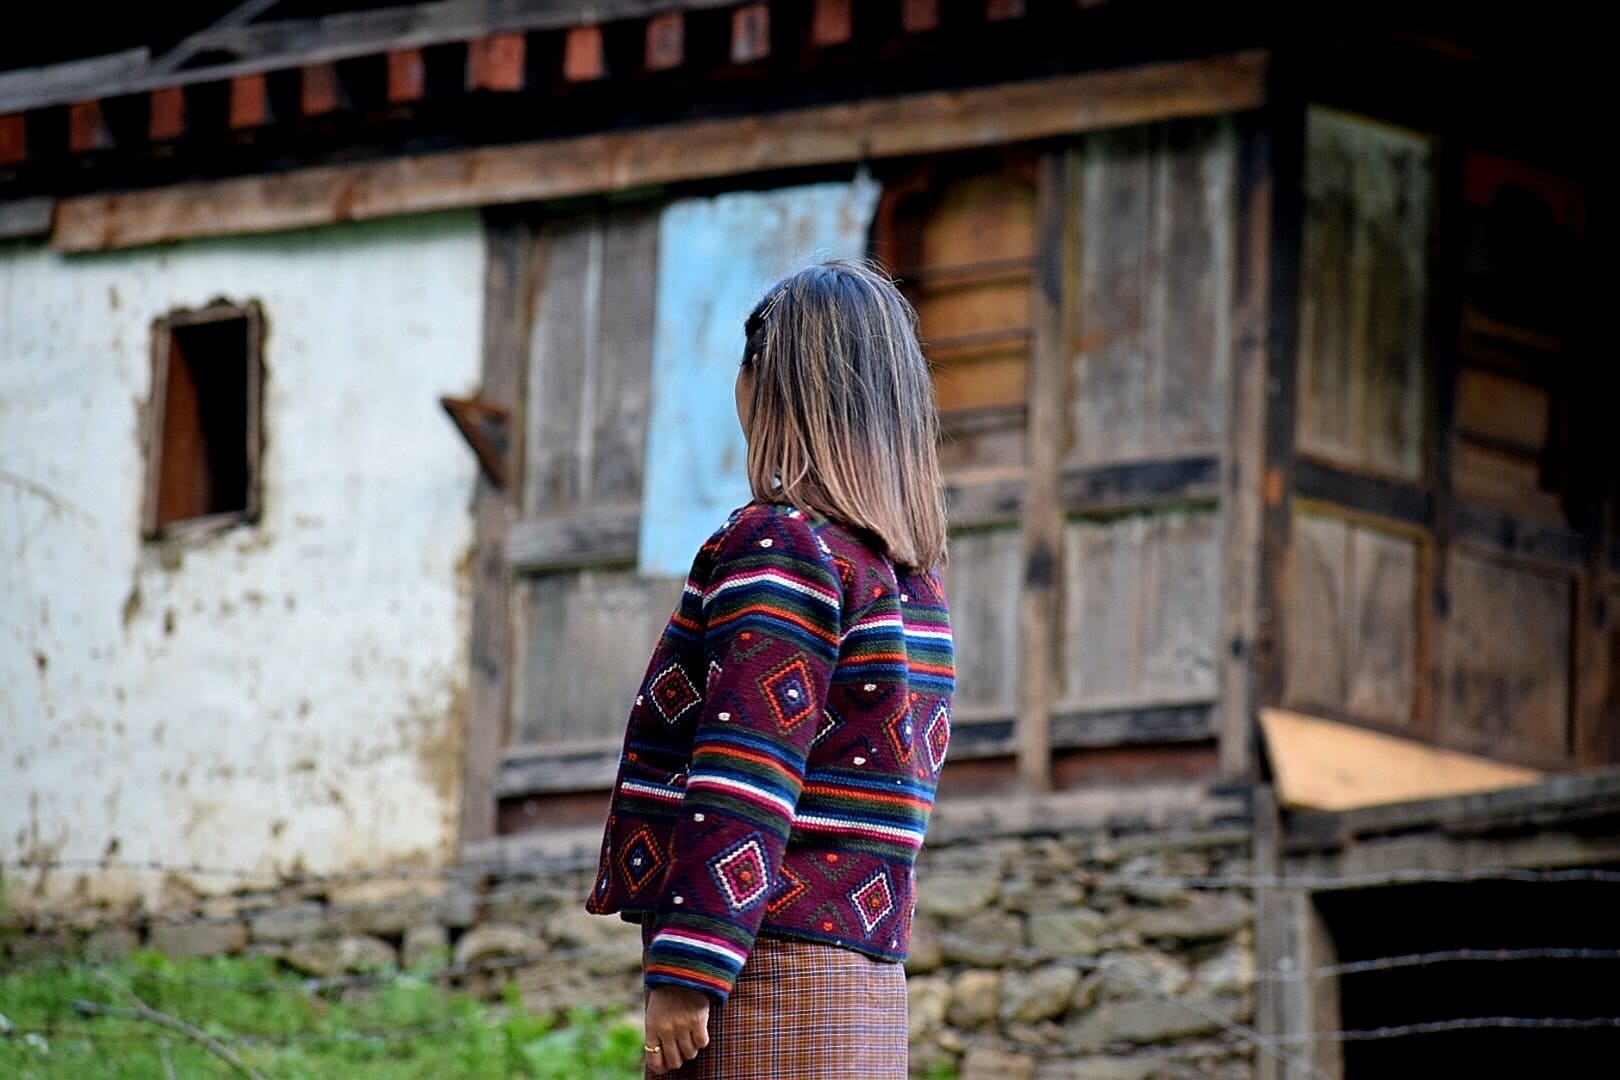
{"points": [[518, 883]]}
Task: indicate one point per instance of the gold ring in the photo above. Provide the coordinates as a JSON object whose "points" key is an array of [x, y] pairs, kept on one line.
{"points": [[659, 1049]]}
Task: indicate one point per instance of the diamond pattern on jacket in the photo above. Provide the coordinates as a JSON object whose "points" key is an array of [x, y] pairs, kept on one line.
{"points": [[787, 689], [789, 887], [830, 722], [741, 873], [902, 731], [640, 860], [874, 901], [939, 736], [673, 693]]}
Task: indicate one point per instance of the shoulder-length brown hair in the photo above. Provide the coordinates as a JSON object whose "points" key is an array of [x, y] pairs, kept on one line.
{"points": [[843, 420]]}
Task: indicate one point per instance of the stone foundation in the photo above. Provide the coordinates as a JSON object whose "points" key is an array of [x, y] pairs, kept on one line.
{"points": [[1031, 957]]}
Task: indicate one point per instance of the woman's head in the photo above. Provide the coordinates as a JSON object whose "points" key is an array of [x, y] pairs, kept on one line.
{"points": [[838, 407]]}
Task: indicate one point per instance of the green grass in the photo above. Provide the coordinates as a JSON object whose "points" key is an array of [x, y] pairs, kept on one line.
{"points": [[405, 1027]]}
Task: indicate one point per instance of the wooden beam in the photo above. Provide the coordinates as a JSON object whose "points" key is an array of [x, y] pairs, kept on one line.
{"points": [[87, 128], [319, 91], [582, 55], [1284, 125], [534, 770], [908, 124], [1137, 485], [249, 103], [600, 536], [666, 41], [407, 76], [167, 118], [832, 22], [1052, 309], [508, 287], [13, 138], [750, 33], [58, 84], [495, 63], [919, 16], [24, 219], [1242, 507], [1371, 496]]}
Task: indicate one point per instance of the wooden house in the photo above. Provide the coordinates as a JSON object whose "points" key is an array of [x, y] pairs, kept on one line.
{"points": [[1281, 477]]}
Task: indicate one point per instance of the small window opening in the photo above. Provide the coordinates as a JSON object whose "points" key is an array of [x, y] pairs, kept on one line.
{"points": [[204, 444]]}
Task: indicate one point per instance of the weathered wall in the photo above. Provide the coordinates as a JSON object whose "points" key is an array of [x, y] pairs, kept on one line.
{"points": [[275, 695], [1088, 955]]}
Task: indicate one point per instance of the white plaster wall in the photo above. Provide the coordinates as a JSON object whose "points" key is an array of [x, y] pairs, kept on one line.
{"points": [[276, 696]]}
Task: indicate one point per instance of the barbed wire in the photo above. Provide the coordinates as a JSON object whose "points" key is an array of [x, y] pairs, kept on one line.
{"points": [[1462, 1023], [1439, 956], [281, 879]]}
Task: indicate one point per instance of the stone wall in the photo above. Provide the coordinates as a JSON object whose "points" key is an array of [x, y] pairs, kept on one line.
{"points": [[1054, 957]]}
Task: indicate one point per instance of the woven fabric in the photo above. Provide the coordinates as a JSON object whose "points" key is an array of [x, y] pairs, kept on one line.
{"points": [[802, 1011], [780, 760]]}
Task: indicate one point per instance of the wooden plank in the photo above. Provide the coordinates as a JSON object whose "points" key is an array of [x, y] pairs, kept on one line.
{"points": [[1241, 464], [1140, 484], [1322, 765], [1284, 125], [1499, 531], [983, 572], [590, 361], [596, 536], [1372, 496], [1352, 621], [1506, 662], [508, 283], [26, 218], [982, 500], [532, 770], [574, 634], [1052, 317], [1156, 276], [977, 737], [1152, 580], [56, 84], [906, 124], [1364, 291]]}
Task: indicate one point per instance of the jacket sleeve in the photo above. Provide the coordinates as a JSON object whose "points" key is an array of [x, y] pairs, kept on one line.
{"points": [[770, 640]]}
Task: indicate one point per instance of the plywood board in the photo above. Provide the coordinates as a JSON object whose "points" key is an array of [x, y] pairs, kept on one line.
{"points": [[1323, 765], [1363, 293], [1156, 280], [1352, 620], [1141, 609], [716, 258]]}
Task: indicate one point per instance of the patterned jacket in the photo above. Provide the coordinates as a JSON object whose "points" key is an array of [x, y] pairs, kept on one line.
{"points": [[782, 753]]}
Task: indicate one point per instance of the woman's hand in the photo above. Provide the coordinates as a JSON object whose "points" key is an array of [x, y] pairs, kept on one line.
{"points": [[677, 1026]]}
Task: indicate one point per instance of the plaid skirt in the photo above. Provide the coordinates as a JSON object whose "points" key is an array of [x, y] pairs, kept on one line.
{"points": [[802, 1011]]}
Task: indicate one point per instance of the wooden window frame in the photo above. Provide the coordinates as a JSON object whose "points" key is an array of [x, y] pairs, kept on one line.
{"points": [[163, 333]]}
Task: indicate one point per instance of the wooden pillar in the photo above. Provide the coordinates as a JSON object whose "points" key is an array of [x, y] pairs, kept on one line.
{"points": [[1284, 122], [1242, 494], [1051, 347], [508, 286]]}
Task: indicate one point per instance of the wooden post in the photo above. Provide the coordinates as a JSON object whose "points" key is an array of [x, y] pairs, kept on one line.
{"points": [[1242, 508], [582, 55], [167, 119], [249, 103], [1284, 120], [1051, 346], [407, 76], [508, 286]]}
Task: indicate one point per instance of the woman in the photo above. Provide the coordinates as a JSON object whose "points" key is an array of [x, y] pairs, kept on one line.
{"points": [[782, 753]]}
